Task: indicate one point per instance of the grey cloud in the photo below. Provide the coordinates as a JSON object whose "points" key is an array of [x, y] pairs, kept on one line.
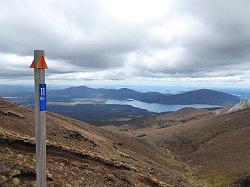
{"points": [[83, 35]]}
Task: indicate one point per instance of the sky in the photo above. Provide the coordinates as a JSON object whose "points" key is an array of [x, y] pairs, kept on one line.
{"points": [[127, 42]]}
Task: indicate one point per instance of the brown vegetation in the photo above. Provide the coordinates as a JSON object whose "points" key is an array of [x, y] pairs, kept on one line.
{"points": [[79, 154], [191, 147]]}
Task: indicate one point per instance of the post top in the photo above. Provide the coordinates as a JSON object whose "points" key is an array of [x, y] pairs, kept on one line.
{"points": [[39, 61], [38, 50]]}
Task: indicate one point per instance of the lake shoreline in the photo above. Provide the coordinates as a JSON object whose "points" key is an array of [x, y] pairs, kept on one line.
{"points": [[151, 107]]}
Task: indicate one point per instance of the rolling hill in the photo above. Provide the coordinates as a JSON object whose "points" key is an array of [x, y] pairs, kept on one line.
{"points": [[202, 96]]}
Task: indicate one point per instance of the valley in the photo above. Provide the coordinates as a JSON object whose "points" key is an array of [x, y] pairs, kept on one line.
{"points": [[213, 143], [190, 147]]}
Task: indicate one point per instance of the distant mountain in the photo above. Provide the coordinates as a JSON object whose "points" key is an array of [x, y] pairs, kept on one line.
{"points": [[202, 96], [86, 92], [205, 96]]}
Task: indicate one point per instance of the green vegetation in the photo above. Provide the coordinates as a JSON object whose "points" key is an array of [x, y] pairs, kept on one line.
{"points": [[192, 175]]}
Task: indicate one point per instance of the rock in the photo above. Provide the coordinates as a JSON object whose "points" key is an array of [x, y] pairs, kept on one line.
{"points": [[2, 178], [16, 172], [61, 164], [49, 175], [16, 181], [32, 167], [20, 156]]}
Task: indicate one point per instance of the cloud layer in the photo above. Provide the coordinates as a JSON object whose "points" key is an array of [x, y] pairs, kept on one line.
{"points": [[120, 40]]}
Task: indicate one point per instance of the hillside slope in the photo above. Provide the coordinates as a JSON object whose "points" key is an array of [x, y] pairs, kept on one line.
{"points": [[244, 104], [80, 154], [148, 123], [217, 145], [213, 141]]}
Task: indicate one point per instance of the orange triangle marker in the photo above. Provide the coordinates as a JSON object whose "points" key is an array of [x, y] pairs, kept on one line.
{"points": [[42, 63], [33, 64]]}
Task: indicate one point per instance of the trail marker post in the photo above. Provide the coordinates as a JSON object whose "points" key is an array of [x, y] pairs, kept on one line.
{"points": [[39, 65]]}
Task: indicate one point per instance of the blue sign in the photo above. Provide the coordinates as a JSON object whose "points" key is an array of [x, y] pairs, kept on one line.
{"points": [[42, 96]]}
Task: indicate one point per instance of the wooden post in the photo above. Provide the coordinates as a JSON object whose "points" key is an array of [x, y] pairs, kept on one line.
{"points": [[39, 66]]}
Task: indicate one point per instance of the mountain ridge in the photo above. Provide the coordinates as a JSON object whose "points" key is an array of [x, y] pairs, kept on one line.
{"points": [[200, 96]]}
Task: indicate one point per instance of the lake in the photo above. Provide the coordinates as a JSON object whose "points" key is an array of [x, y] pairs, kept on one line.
{"points": [[155, 107]]}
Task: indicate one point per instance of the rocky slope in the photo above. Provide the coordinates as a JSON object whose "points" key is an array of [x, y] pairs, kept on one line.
{"points": [[243, 104], [81, 154]]}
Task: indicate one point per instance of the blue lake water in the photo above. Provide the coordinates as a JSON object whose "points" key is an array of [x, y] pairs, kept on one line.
{"points": [[155, 107]]}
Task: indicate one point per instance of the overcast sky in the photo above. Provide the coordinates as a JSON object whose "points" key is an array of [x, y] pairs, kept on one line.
{"points": [[144, 42]]}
